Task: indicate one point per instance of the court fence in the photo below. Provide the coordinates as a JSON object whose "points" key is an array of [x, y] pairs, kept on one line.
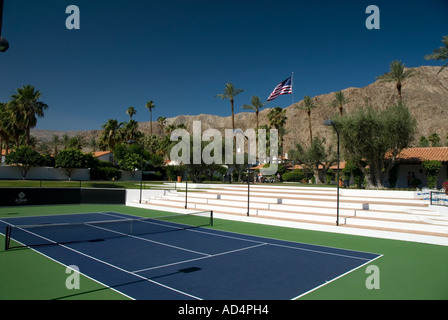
{"points": [[17, 196]]}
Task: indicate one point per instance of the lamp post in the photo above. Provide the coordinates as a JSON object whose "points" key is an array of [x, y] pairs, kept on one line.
{"points": [[248, 170], [129, 142], [333, 124], [248, 188], [186, 186]]}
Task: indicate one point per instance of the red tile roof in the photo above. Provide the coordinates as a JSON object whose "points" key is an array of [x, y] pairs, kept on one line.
{"points": [[97, 154], [417, 155]]}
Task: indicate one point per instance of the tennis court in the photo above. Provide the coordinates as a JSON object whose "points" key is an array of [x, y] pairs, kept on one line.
{"points": [[181, 257]]}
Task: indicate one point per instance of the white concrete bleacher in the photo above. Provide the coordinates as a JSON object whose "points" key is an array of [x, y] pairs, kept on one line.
{"points": [[401, 215]]}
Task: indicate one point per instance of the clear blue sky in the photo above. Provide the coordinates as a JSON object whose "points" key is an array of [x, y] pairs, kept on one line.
{"points": [[181, 53]]}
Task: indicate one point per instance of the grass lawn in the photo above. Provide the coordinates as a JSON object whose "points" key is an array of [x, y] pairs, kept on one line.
{"points": [[407, 270]]}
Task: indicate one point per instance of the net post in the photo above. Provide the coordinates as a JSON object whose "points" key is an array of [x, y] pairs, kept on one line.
{"points": [[211, 218], [7, 237]]}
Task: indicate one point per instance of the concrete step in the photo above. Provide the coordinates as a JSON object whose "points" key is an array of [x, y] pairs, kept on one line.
{"points": [[315, 210], [362, 218]]}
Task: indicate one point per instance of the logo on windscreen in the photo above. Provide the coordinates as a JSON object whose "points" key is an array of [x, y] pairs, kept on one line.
{"points": [[21, 198]]}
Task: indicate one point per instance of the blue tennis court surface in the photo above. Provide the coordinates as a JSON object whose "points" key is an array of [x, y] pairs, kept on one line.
{"points": [[174, 262]]}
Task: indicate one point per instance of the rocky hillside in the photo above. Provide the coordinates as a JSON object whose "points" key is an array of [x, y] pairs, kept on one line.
{"points": [[426, 95]]}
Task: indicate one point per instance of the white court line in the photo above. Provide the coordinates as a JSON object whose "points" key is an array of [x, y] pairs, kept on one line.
{"points": [[200, 258], [205, 256], [321, 252], [113, 266], [274, 244], [334, 279], [148, 240]]}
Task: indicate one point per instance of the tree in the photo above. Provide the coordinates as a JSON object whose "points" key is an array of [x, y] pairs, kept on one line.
{"points": [[71, 159], [372, 139], [131, 112], [308, 105], [24, 158], [150, 105], [5, 127], [111, 133], [434, 139], [339, 101], [230, 92], [27, 105], [129, 131], [93, 144], [11, 123], [133, 156], [277, 119], [162, 123], [423, 142], [65, 141], [316, 157], [440, 53], [131, 162], [76, 142], [255, 105], [397, 74], [431, 168], [55, 142]]}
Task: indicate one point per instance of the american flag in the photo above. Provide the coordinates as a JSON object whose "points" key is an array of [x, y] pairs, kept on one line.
{"points": [[283, 88]]}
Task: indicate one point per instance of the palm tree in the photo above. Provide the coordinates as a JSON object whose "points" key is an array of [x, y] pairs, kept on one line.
{"points": [[26, 102], [77, 142], [93, 144], [111, 133], [129, 130], [65, 141], [339, 101], [256, 105], [440, 53], [12, 122], [131, 111], [308, 105], [162, 123], [230, 93], [150, 105], [5, 130], [171, 127], [277, 119], [55, 142], [397, 74]]}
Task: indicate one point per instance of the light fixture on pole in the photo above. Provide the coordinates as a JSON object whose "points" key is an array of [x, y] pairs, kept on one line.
{"points": [[235, 131], [333, 124], [129, 142]]}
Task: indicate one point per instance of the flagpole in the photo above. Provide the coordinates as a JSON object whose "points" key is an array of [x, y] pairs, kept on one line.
{"points": [[292, 88]]}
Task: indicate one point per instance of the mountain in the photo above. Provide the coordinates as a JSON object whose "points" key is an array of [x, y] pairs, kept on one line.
{"points": [[426, 95]]}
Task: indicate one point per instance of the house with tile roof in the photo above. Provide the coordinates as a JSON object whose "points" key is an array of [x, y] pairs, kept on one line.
{"points": [[104, 155], [410, 165], [3, 155]]}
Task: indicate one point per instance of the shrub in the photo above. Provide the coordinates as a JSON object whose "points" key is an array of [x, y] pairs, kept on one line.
{"points": [[103, 172], [24, 158], [431, 168], [294, 176]]}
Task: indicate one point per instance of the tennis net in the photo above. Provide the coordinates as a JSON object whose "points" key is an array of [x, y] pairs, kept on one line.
{"points": [[93, 231]]}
